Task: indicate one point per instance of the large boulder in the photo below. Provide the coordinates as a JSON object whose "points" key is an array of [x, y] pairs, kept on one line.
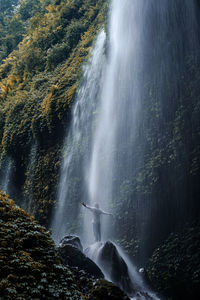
{"points": [[71, 240], [69, 250], [113, 265]]}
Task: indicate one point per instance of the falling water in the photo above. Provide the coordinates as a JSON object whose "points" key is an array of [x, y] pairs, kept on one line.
{"points": [[148, 43], [105, 145], [27, 205], [77, 143], [110, 263], [5, 180], [120, 106]]}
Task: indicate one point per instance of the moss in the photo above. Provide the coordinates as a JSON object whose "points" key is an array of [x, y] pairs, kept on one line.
{"points": [[38, 84], [174, 268], [30, 265], [40, 183], [106, 290]]}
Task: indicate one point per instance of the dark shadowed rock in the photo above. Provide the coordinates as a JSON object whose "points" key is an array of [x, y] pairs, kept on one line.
{"points": [[103, 290], [71, 240], [116, 268], [112, 264], [72, 256]]}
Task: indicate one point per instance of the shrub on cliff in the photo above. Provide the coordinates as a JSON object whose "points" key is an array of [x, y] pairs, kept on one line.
{"points": [[30, 266], [174, 268]]}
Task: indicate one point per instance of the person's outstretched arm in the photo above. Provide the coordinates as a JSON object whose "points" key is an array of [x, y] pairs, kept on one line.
{"points": [[87, 206], [106, 213]]}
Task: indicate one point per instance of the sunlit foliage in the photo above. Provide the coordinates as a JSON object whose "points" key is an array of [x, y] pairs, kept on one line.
{"points": [[38, 81]]}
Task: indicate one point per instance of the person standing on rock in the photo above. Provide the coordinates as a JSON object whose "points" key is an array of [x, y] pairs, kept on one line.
{"points": [[97, 212]]}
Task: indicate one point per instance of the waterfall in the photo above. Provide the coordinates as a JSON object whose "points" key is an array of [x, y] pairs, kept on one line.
{"points": [[28, 202], [77, 144], [5, 177], [119, 107], [148, 45], [105, 145]]}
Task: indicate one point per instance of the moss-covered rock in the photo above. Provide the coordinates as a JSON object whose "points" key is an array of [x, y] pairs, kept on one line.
{"points": [[174, 268], [30, 265], [106, 290]]}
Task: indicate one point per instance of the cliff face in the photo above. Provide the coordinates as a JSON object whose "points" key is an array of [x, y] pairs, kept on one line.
{"points": [[161, 192], [39, 79], [165, 181]]}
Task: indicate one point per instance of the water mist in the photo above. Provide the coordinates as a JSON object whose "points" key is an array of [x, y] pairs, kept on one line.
{"points": [[105, 145], [78, 143]]}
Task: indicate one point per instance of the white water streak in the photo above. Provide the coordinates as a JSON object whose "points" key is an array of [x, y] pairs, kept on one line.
{"points": [[76, 145], [6, 177]]}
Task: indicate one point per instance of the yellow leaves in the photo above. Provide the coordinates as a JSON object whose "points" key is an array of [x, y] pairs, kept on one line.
{"points": [[25, 256], [83, 296], [54, 88], [50, 8], [4, 244], [3, 88], [11, 202], [14, 78], [36, 265], [8, 86], [46, 103], [71, 93]]}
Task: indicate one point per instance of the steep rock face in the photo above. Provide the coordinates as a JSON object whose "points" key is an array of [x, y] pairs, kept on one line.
{"points": [[39, 80], [30, 265], [174, 268], [38, 85]]}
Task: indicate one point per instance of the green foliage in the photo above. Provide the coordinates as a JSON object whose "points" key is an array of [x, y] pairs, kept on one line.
{"points": [[30, 265], [28, 8], [57, 54], [107, 290], [174, 268], [38, 84], [14, 20], [7, 7]]}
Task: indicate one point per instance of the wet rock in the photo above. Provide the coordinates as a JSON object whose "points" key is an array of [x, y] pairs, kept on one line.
{"points": [[72, 256], [112, 264], [107, 290], [71, 240]]}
